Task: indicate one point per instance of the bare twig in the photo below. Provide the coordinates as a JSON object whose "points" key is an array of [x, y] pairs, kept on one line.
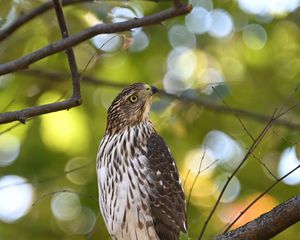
{"points": [[23, 19], [48, 179], [240, 112], [62, 191], [269, 224], [70, 41], [75, 100], [53, 76], [235, 114], [186, 178], [249, 152], [260, 196], [9, 128], [195, 180], [69, 51], [66, 43], [265, 166]]}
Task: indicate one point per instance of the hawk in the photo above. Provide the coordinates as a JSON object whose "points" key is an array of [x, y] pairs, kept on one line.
{"points": [[140, 192]]}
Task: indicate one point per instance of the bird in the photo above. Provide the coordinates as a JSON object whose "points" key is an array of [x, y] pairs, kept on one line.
{"points": [[140, 192]]}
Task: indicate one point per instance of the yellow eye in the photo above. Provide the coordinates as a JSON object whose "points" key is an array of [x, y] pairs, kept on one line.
{"points": [[133, 98]]}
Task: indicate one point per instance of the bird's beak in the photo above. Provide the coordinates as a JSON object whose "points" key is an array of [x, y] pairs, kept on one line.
{"points": [[154, 90]]}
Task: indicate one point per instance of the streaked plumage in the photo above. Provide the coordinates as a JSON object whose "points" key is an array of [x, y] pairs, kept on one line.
{"points": [[140, 193]]}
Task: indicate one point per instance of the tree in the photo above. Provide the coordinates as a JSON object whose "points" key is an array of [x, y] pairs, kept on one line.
{"points": [[228, 72]]}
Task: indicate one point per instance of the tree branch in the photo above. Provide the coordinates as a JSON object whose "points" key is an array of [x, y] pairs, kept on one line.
{"points": [[260, 196], [65, 43], [33, 14], [249, 152], [70, 53], [75, 100], [269, 224], [211, 106]]}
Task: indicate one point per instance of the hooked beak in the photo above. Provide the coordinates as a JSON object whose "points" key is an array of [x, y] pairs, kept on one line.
{"points": [[154, 90]]}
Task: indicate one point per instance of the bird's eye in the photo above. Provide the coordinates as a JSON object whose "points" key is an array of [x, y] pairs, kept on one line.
{"points": [[133, 98]]}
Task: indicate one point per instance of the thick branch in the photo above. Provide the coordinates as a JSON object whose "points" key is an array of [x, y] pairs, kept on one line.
{"points": [[269, 224], [63, 44], [260, 196], [33, 14]]}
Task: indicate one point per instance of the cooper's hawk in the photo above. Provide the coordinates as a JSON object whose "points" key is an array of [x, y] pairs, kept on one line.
{"points": [[140, 193]]}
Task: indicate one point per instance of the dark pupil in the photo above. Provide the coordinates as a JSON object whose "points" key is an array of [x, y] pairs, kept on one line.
{"points": [[133, 98]]}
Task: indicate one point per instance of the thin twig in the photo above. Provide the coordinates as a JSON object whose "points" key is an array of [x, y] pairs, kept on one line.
{"points": [[195, 180], [284, 139], [62, 191], [265, 166], [75, 100], [269, 224], [56, 76], [235, 114], [45, 180], [260, 196], [86, 34], [186, 177], [69, 51], [10, 128], [249, 152], [23, 19]]}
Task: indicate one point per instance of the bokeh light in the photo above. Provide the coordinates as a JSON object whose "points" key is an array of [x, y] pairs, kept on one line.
{"points": [[255, 36], [265, 7], [221, 23], [207, 4], [16, 197], [107, 42], [12, 15], [288, 161], [230, 211], [82, 224], [9, 149], [232, 190], [200, 159], [64, 131], [181, 64], [226, 150], [199, 163], [121, 14], [198, 21], [181, 36], [65, 206], [140, 41], [78, 170], [211, 77]]}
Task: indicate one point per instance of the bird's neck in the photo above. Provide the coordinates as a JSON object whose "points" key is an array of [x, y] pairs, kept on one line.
{"points": [[145, 126]]}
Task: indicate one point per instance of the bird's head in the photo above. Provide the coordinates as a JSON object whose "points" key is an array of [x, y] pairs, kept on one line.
{"points": [[130, 107]]}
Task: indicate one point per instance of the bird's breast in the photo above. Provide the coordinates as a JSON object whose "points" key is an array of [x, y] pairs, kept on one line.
{"points": [[123, 186]]}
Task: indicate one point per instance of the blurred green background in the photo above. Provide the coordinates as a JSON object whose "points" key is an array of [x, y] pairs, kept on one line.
{"points": [[245, 52]]}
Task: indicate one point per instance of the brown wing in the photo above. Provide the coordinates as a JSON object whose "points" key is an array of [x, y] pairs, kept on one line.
{"points": [[167, 200]]}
